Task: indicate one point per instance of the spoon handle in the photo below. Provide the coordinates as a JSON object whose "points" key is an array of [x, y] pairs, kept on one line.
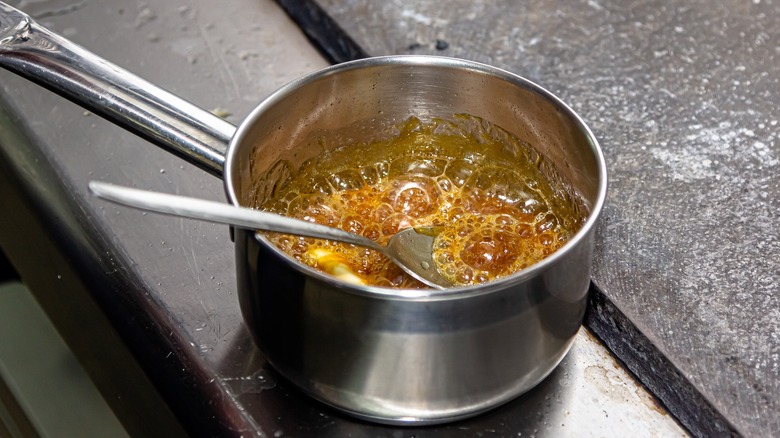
{"points": [[221, 213]]}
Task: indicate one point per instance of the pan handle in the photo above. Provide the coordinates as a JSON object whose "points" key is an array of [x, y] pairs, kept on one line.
{"points": [[35, 53]]}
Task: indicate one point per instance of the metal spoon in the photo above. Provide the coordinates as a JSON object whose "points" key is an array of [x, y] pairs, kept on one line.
{"points": [[410, 249]]}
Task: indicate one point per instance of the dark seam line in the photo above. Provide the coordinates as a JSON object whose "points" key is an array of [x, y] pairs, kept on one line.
{"points": [[651, 367], [324, 33]]}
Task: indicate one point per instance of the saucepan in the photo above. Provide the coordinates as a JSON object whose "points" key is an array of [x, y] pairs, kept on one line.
{"points": [[396, 356]]}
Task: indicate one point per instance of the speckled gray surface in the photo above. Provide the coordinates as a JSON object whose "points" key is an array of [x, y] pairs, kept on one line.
{"points": [[682, 97]]}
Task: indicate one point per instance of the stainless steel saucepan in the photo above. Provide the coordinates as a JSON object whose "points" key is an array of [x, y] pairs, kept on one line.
{"points": [[393, 356]]}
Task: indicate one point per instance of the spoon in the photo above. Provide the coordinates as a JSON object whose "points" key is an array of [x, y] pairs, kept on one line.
{"points": [[410, 249]]}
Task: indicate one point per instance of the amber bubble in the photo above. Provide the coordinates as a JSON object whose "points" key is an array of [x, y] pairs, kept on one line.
{"points": [[321, 214], [414, 195], [411, 165], [353, 224], [373, 232], [547, 223], [546, 239], [346, 180], [458, 171], [493, 254], [524, 230], [395, 223], [370, 175], [444, 183]]}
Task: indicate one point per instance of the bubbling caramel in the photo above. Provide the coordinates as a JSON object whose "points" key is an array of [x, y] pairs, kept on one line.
{"points": [[498, 212]]}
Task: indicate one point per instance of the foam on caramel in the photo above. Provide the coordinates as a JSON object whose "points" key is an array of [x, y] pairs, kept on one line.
{"points": [[499, 213]]}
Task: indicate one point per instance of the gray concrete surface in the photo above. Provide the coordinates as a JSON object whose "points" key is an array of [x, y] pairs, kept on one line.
{"points": [[683, 98]]}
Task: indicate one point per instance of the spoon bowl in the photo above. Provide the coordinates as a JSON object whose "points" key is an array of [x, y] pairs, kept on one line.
{"points": [[411, 249]]}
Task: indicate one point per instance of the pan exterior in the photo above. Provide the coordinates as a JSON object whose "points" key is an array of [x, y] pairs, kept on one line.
{"points": [[402, 356]]}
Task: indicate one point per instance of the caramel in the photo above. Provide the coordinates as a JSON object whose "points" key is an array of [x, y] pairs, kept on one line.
{"points": [[498, 212]]}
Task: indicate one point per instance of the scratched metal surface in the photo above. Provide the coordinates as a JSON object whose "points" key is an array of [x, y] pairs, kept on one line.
{"points": [[683, 98], [180, 272], [219, 56]]}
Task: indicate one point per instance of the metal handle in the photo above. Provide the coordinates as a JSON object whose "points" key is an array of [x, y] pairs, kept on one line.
{"points": [[35, 53], [220, 213]]}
